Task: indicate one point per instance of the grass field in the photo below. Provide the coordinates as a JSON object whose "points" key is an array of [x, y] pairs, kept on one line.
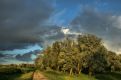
{"points": [[27, 74], [14, 73], [109, 76], [60, 76], [17, 76]]}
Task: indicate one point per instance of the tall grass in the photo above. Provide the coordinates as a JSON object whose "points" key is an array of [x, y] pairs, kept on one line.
{"points": [[53, 75]]}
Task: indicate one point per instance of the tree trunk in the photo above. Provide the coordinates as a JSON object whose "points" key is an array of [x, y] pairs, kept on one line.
{"points": [[57, 68], [71, 70], [90, 71], [79, 70]]}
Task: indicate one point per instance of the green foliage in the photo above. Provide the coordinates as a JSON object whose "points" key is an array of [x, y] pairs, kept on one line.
{"points": [[114, 61], [84, 54], [9, 70]]}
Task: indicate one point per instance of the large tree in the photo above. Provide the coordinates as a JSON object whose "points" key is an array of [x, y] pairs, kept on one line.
{"points": [[93, 51], [84, 54]]}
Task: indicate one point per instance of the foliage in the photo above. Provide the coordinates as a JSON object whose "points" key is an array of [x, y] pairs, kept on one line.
{"points": [[13, 68], [85, 54], [114, 61]]}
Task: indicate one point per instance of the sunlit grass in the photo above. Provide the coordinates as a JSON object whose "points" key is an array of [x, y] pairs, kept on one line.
{"points": [[52, 75], [26, 76], [14, 74]]}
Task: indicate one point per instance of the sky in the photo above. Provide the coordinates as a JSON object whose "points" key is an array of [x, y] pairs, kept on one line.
{"points": [[28, 26]]}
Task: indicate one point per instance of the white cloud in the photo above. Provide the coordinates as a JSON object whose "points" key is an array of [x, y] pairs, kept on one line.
{"points": [[118, 21]]}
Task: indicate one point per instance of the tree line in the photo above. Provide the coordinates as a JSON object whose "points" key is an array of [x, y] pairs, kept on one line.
{"points": [[85, 54]]}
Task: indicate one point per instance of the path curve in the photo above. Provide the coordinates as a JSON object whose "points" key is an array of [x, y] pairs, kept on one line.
{"points": [[38, 76]]}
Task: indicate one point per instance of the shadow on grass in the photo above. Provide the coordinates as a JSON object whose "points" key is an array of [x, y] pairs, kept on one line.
{"points": [[109, 76], [17, 76], [9, 76], [54, 75]]}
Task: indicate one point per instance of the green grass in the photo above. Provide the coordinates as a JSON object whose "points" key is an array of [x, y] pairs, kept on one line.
{"points": [[8, 76], [26, 76], [10, 73], [14, 73], [52, 75], [109, 76], [17, 76]]}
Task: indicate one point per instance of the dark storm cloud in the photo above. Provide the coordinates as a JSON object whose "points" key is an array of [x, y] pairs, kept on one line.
{"points": [[89, 2], [27, 56], [2, 55], [102, 24], [22, 22], [52, 36]]}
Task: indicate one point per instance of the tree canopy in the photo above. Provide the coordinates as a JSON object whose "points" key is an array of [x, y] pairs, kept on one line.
{"points": [[85, 54]]}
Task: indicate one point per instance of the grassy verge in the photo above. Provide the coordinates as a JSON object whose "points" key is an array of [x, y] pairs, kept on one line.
{"points": [[17, 76], [15, 73], [26, 76], [109, 76], [52, 75]]}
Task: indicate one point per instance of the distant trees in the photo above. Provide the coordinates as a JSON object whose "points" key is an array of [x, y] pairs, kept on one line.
{"points": [[85, 54]]}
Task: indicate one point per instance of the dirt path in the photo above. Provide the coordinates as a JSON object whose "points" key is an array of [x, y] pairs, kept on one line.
{"points": [[39, 76]]}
